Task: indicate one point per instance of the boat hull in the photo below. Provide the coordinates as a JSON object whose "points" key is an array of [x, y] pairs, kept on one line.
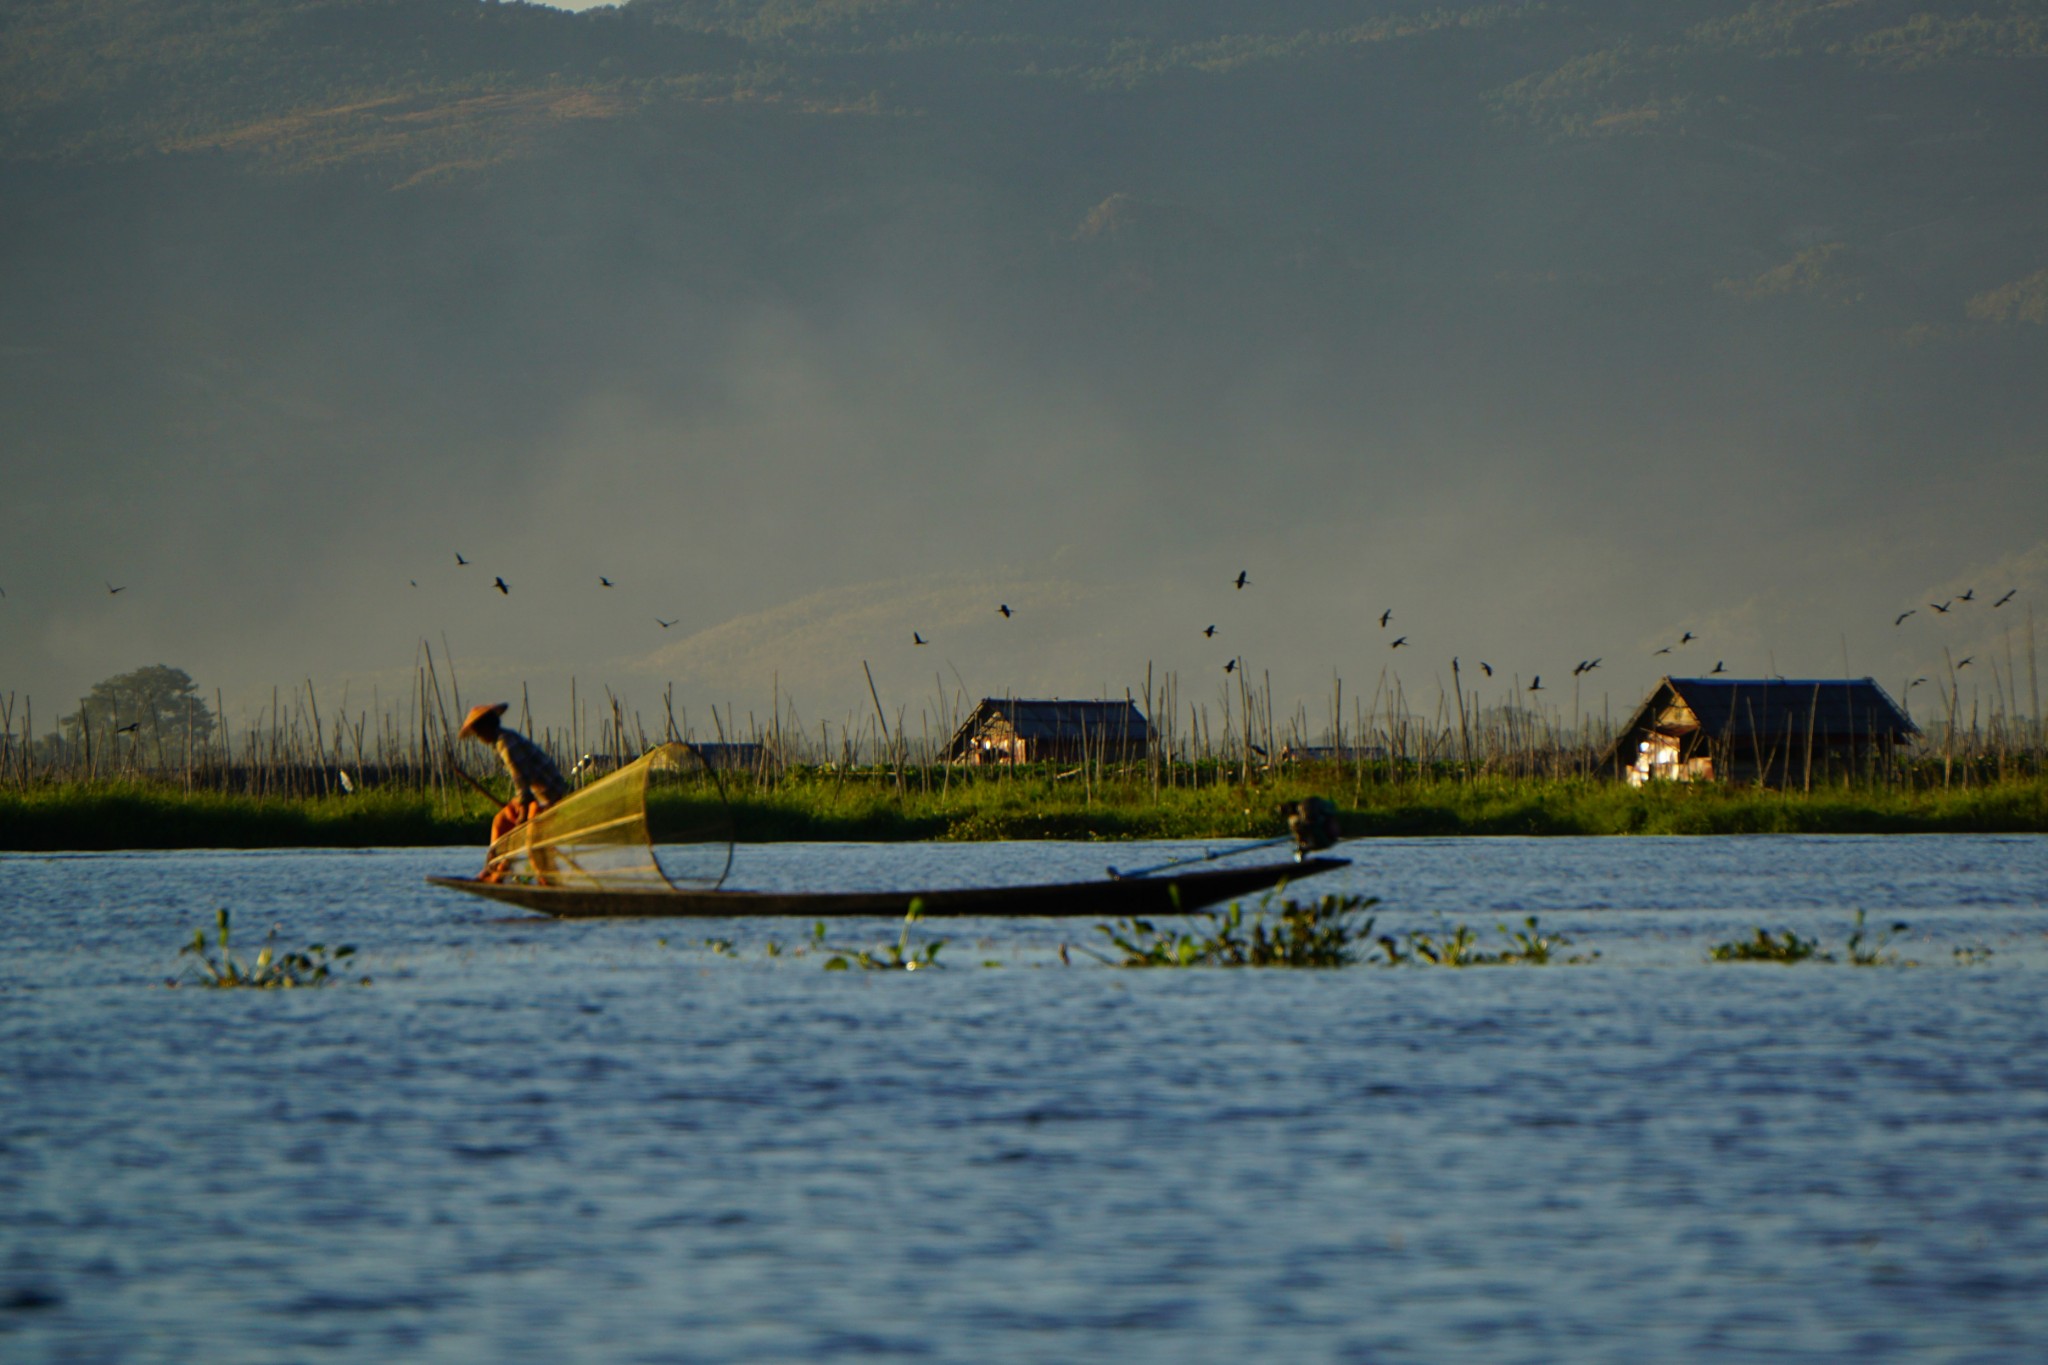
{"points": [[1105, 899]]}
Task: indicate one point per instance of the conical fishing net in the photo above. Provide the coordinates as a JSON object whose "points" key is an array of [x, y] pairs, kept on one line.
{"points": [[598, 838]]}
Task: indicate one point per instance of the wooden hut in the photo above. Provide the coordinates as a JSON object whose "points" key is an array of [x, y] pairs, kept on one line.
{"points": [[1772, 730], [1006, 730]]}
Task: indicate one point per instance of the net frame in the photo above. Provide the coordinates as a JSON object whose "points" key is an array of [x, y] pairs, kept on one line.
{"points": [[597, 838]]}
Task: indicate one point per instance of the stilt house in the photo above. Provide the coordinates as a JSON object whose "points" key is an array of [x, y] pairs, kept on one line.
{"points": [[1775, 731], [1004, 730]]}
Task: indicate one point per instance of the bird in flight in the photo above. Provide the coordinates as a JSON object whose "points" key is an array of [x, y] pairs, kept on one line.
{"points": [[1210, 632], [1005, 610], [1230, 667], [111, 589], [459, 559], [1385, 617], [499, 584], [1915, 683], [665, 624], [917, 639], [1487, 666], [1966, 662], [1665, 650], [127, 729], [1242, 579], [1942, 607], [1718, 667], [1398, 642], [605, 582], [1901, 617], [1969, 595], [1536, 683], [2009, 592], [414, 581], [1687, 638]]}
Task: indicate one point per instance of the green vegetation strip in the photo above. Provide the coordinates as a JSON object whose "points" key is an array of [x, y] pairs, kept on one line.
{"points": [[824, 806]]}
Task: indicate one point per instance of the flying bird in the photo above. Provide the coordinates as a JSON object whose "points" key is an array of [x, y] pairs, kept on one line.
{"points": [[459, 559], [1942, 607], [1005, 610], [132, 726], [1915, 683], [1901, 617], [1242, 579], [1965, 663], [1210, 632], [1536, 683], [414, 581], [917, 639], [499, 584], [1230, 667], [1665, 650], [1969, 595], [1385, 617], [2009, 592], [605, 582], [1687, 638], [111, 589], [1487, 666], [1398, 642], [1579, 668], [665, 624], [1718, 667]]}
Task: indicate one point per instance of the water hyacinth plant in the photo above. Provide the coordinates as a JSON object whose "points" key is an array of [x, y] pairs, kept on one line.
{"points": [[1873, 952], [1319, 933], [217, 967], [897, 956], [1863, 949], [1528, 946], [1785, 946]]}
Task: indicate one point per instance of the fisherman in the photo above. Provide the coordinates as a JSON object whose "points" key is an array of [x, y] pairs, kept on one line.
{"points": [[536, 782], [1313, 823]]}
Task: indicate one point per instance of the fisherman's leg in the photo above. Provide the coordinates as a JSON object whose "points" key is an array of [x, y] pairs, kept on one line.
{"points": [[507, 820]]}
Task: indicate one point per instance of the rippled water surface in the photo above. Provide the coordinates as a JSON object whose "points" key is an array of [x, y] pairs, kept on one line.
{"points": [[531, 1140]]}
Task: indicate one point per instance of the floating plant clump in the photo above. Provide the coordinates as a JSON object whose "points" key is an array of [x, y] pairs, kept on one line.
{"points": [[218, 968], [1322, 933]]}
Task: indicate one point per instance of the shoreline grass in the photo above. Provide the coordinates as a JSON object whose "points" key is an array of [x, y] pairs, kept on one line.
{"points": [[827, 807]]}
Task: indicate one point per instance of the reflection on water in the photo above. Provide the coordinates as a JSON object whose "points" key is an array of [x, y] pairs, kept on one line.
{"points": [[534, 1140]]}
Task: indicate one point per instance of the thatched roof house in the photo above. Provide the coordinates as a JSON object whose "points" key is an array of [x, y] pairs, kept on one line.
{"points": [[1770, 730], [1006, 730]]}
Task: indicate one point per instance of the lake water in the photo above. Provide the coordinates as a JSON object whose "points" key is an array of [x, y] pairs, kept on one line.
{"points": [[531, 1140]]}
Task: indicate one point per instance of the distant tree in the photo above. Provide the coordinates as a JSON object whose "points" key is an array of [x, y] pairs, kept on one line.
{"points": [[159, 701]]}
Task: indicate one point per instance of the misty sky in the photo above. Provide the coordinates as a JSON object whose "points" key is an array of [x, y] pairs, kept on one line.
{"points": [[1509, 405]]}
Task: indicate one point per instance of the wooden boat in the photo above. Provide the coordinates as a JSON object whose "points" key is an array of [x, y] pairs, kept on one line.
{"points": [[1108, 898], [590, 856]]}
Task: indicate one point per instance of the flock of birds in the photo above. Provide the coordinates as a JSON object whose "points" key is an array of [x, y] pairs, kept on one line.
{"points": [[1244, 580], [1584, 666], [1943, 609]]}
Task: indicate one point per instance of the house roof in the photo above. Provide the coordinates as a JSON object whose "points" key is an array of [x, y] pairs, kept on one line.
{"points": [[1774, 707], [1058, 719]]}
